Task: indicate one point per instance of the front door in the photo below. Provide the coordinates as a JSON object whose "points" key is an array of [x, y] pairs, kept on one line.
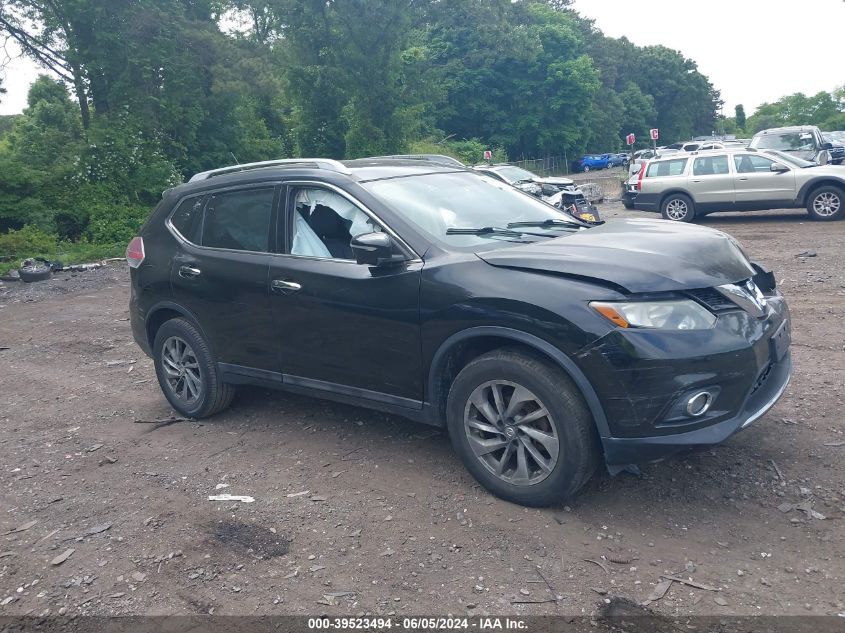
{"points": [[342, 326], [758, 186]]}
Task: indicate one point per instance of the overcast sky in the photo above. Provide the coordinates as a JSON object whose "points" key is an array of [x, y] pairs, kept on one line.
{"points": [[754, 51]]}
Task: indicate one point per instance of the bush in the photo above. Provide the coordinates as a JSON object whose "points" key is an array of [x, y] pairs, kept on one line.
{"points": [[109, 224], [29, 241], [468, 151]]}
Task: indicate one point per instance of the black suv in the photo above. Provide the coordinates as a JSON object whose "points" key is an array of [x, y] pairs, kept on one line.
{"points": [[446, 296]]}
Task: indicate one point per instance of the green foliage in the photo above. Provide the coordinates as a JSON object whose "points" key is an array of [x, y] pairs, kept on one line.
{"points": [[115, 224], [15, 246], [152, 91], [739, 118], [824, 109], [29, 241], [469, 152], [7, 121]]}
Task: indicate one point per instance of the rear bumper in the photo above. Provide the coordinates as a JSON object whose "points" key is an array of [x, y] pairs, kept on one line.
{"points": [[632, 450]]}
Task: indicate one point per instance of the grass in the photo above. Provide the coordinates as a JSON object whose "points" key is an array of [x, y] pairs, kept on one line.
{"points": [[67, 253]]}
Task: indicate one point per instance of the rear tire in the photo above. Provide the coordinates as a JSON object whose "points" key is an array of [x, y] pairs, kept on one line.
{"points": [[826, 203], [677, 207], [187, 372], [498, 400]]}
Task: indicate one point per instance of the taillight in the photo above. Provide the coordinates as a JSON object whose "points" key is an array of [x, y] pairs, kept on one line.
{"points": [[640, 177], [135, 252]]}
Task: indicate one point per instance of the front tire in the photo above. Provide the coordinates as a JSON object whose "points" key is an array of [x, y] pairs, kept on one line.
{"points": [[521, 428], [826, 203], [677, 207], [187, 372]]}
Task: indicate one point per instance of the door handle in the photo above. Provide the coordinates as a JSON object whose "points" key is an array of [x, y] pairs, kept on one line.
{"points": [[189, 272], [746, 178], [285, 286], [698, 180]]}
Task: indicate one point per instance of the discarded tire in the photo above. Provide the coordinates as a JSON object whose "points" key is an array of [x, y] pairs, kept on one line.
{"points": [[35, 270]]}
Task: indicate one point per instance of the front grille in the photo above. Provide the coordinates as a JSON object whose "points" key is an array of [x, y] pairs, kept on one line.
{"points": [[761, 379], [713, 299]]}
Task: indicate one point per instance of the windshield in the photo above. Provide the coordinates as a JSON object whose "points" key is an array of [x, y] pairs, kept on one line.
{"points": [[786, 141], [792, 159], [514, 174], [437, 202]]}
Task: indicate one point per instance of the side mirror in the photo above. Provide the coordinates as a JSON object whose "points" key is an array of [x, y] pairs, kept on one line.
{"points": [[778, 167], [827, 146], [375, 249]]}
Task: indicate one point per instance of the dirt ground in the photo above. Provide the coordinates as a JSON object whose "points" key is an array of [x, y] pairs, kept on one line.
{"points": [[104, 512]]}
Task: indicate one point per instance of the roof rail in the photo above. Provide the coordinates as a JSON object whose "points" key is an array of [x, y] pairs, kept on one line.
{"points": [[318, 163]]}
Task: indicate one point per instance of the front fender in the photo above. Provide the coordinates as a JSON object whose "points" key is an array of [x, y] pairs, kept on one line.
{"points": [[544, 347]]}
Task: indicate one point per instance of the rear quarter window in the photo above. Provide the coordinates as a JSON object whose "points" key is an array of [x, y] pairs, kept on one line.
{"points": [[667, 168], [187, 218]]}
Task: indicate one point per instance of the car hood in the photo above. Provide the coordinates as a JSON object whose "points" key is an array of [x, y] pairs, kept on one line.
{"points": [[555, 180], [639, 255]]}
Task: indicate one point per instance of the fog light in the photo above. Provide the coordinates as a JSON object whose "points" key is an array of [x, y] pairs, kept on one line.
{"points": [[699, 403]]}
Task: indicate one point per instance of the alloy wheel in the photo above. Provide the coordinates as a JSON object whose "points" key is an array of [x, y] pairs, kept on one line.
{"points": [[677, 209], [826, 204], [511, 432], [181, 370]]}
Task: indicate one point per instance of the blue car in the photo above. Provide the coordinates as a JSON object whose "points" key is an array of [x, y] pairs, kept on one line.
{"points": [[617, 160], [589, 162]]}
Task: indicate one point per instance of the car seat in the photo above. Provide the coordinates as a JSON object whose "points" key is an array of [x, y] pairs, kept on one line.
{"points": [[745, 165], [333, 230]]}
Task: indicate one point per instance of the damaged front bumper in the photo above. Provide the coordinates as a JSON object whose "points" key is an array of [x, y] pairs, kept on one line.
{"points": [[621, 451], [649, 378]]}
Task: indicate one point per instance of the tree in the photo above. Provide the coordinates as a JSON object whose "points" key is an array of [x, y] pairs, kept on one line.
{"points": [[739, 112], [822, 109]]}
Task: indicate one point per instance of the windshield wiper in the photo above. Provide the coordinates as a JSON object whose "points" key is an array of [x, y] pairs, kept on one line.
{"points": [[484, 230], [550, 223]]}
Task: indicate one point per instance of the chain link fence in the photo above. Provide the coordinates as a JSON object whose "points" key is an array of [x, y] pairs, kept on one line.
{"points": [[549, 166]]}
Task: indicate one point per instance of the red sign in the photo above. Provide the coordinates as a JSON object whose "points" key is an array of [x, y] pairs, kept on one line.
{"points": [[654, 135], [488, 155], [630, 139]]}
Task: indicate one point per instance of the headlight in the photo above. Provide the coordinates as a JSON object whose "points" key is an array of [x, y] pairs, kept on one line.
{"points": [[682, 314]]}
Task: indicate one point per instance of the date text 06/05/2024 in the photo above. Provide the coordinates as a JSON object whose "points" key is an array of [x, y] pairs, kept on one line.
{"points": [[417, 623]]}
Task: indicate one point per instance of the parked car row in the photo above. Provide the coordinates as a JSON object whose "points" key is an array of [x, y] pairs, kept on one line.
{"points": [[590, 162]]}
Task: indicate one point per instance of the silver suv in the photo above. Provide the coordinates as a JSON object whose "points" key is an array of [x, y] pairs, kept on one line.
{"points": [[685, 186], [803, 141]]}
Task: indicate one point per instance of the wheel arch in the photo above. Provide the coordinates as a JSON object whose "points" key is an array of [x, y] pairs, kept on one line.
{"points": [[461, 347], [668, 193], [162, 312], [824, 181]]}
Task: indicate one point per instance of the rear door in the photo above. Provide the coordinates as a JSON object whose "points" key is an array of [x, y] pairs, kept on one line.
{"points": [[220, 272], [711, 183], [758, 187]]}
